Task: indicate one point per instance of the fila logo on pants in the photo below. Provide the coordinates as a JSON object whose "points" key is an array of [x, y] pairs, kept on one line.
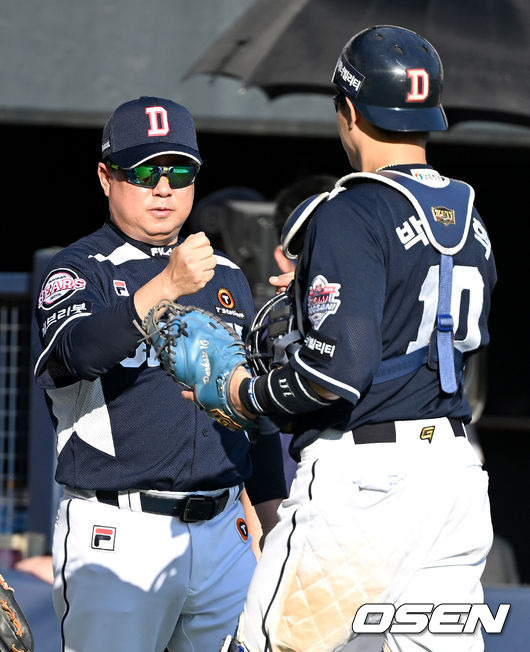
{"points": [[103, 538]]}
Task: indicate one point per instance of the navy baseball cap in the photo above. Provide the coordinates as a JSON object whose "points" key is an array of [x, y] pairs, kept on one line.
{"points": [[146, 127]]}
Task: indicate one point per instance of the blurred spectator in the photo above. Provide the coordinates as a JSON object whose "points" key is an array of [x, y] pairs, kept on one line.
{"points": [[208, 213], [40, 566], [287, 200]]}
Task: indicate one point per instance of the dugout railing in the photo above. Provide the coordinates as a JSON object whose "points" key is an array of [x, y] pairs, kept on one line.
{"points": [[28, 491]]}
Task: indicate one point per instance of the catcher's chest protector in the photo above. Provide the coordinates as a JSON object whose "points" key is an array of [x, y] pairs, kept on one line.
{"points": [[444, 207]]}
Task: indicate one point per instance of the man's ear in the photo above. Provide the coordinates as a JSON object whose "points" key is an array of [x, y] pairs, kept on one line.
{"points": [[353, 113], [104, 177], [283, 263]]}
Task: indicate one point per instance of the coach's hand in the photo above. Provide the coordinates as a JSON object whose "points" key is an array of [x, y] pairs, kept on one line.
{"points": [[190, 266]]}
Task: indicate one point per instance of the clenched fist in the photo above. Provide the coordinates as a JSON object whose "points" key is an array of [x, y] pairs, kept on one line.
{"points": [[191, 264]]}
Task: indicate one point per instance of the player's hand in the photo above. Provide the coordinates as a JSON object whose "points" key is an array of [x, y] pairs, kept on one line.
{"points": [[282, 281], [239, 374], [237, 378], [191, 265]]}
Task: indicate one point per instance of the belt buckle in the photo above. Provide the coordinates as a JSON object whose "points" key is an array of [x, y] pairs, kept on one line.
{"points": [[197, 503]]}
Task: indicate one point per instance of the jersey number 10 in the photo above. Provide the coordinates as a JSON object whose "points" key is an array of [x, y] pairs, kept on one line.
{"points": [[464, 279]]}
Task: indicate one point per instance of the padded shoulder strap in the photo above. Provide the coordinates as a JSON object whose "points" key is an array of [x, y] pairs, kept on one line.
{"points": [[444, 207], [440, 203]]}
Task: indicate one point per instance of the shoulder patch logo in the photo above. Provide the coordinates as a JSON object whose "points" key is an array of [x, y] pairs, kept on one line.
{"points": [[59, 285], [322, 300], [445, 216]]}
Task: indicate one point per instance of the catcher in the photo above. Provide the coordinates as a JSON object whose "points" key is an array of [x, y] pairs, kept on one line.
{"points": [[392, 294], [15, 633]]}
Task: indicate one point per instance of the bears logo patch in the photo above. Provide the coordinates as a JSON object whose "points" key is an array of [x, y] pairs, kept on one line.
{"points": [[59, 285]]}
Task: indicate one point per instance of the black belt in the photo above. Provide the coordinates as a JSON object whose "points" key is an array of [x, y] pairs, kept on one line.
{"points": [[381, 433], [192, 508]]}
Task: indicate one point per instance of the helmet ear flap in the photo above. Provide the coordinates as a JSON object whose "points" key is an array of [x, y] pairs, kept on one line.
{"points": [[293, 232]]}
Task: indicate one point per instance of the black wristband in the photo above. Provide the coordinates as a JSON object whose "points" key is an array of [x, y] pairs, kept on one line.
{"points": [[245, 393], [280, 391]]}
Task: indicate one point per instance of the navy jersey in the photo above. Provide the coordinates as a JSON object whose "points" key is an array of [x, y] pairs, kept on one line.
{"points": [[124, 424], [369, 278]]}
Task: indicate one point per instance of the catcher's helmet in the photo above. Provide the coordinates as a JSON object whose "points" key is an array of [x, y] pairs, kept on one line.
{"points": [[394, 78], [273, 336]]}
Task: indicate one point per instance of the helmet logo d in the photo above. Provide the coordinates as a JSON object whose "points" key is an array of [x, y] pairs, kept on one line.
{"points": [[419, 85]]}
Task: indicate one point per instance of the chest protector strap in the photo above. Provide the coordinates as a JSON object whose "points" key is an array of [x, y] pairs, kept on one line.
{"points": [[444, 208]]}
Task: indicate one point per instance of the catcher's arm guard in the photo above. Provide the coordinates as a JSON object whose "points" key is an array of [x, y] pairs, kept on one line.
{"points": [[15, 634], [200, 352]]}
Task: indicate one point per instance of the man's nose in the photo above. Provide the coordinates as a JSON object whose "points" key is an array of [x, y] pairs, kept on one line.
{"points": [[162, 187]]}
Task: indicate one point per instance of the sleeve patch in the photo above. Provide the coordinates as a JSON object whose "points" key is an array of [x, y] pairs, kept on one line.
{"points": [[322, 300], [58, 317], [59, 285], [319, 346]]}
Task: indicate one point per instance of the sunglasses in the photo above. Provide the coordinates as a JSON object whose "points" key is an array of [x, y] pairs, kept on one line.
{"points": [[148, 176]]}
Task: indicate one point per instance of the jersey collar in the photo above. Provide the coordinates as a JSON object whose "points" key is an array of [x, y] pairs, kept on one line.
{"points": [[154, 251], [405, 168]]}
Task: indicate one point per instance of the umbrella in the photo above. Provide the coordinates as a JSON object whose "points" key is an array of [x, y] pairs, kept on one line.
{"points": [[291, 46]]}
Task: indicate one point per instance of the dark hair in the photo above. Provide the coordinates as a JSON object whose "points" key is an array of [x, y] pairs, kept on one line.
{"points": [[339, 99], [289, 197]]}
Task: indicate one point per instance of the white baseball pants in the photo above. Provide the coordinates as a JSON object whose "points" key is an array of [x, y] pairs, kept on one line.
{"points": [[141, 582], [399, 522]]}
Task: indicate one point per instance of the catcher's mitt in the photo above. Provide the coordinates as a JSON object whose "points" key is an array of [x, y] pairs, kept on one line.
{"points": [[200, 352], [15, 634]]}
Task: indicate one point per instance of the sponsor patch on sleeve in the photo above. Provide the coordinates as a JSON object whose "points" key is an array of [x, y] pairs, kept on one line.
{"points": [[318, 346], [57, 317]]}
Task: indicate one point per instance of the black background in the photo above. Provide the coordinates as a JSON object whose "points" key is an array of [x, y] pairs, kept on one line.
{"points": [[53, 197]]}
